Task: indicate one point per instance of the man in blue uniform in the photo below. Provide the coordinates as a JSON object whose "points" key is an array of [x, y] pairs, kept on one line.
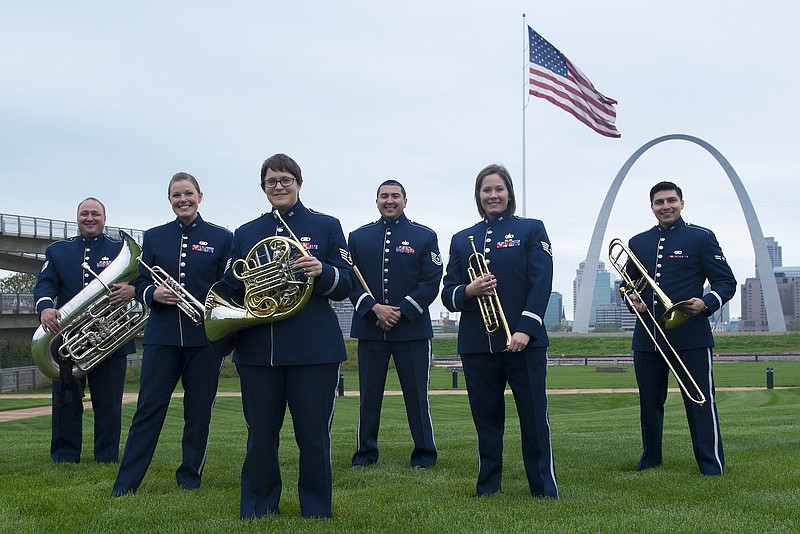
{"points": [[400, 261], [679, 257], [519, 271], [295, 361], [61, 278], [193, 253]]}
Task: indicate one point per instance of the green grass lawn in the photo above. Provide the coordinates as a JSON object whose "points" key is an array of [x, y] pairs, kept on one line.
{"points": [[596, 444]]}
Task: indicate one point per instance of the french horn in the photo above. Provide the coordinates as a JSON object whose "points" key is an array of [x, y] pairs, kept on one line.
{"points": [[274, 290], [91, 328]]}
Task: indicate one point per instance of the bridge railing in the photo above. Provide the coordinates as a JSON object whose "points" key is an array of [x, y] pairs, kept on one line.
{"points": [[35, 227], [17, 303]]}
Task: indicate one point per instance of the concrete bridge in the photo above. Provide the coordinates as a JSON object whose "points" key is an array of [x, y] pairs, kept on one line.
{"points": [[22, 244]]}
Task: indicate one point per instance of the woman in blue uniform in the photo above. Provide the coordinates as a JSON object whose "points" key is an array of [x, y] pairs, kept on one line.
{"points": [[294, 361], [193, 253], [518, 255]]}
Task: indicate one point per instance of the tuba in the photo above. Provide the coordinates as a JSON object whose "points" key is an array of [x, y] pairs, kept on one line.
{"points": [[273, 290], [189, 305], [91, 328], [620, 256], [491, 310]]}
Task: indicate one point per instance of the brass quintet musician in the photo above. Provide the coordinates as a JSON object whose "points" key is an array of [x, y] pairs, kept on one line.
{"points": [[180, 261], [502, 286], [293, 361], [63, 276], [680, 257]]}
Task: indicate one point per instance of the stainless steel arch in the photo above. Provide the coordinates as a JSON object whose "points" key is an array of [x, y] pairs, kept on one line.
{"points": [[772, 301]]}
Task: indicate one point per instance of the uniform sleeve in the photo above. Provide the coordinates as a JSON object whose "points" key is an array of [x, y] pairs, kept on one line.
{"points": [[540, 278], [454, 283], [226, 253], [336, 279], [414, 304], [143, 284], [47, 284], [719, 275]]}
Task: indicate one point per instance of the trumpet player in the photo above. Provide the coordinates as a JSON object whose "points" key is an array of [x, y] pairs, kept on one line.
{"points": [[61, 278], [680, 257], [191, 254], [504, 284]]}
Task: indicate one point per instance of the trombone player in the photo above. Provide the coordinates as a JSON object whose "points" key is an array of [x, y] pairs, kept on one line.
{"points": [[679, 258]]}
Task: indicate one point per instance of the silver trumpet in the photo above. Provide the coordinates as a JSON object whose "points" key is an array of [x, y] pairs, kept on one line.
{"points": [[620, 257], [189, 305]]}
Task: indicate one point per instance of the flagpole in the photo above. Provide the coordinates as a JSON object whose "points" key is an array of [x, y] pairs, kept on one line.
{"points": [[524, 96]]}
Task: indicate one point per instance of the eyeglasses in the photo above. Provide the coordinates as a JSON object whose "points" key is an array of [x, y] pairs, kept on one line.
{"points": [[285, 181]]}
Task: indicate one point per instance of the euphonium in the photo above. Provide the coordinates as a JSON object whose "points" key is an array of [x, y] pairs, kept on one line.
{"points": [[274, 290], [489, 305], [670, 319], [189, 305], [91, 328]]}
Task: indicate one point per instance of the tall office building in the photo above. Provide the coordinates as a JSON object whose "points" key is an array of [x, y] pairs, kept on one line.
{"points": [[555, 310], [775, 253], [603, 294]]}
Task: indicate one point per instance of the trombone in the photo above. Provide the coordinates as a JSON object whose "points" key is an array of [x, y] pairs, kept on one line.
{"points": [[620, 257], [491, 310], [189, 305]]}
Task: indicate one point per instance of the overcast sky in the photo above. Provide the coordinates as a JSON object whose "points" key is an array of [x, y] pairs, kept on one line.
{"points": [[109, 100]]}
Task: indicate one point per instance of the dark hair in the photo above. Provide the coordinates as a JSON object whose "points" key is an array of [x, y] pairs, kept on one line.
{"points": [[665, 186], [181, 176], [281, 163], [501, 171], [91, 198], [392, 182]]}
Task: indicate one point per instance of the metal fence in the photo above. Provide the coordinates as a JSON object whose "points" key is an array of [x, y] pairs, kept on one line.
{"points": [[35, 227], [19, 378], [16, 303]]}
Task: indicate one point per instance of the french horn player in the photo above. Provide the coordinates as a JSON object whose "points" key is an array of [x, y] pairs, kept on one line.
{"points": [[285, 267], [680, 258], [65, 274], [499, 276], [180, 261]]}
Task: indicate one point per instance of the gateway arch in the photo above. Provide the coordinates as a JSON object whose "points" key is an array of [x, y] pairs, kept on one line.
{"points": [[769, 286]]}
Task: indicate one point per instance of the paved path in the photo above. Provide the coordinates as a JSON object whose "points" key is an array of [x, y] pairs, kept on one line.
{"points": [[13, 415]]}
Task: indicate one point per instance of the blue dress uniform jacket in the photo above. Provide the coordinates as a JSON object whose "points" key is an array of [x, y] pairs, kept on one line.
{"points": [[195, 256], [401, 264], [518, 253], [289, 343], [60, 279], [680, 259]]}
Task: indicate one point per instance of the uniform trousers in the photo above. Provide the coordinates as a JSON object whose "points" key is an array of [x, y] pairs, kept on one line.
{"points": [[310, 393], [412, 360], [162, 365], [486, 375], [106, 385], [652, 375]]}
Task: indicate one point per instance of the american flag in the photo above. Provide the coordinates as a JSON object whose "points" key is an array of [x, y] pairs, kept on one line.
{"points": [[556, 79]]}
